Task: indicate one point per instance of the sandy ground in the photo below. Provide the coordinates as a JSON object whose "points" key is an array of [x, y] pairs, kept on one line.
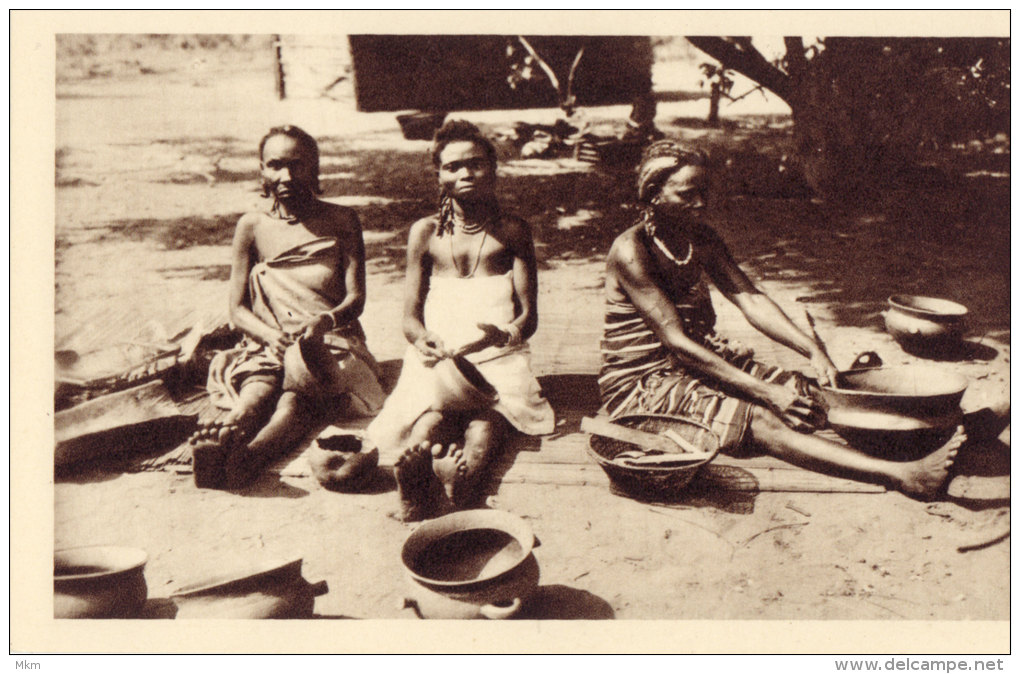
{"points": [[153, 170]]}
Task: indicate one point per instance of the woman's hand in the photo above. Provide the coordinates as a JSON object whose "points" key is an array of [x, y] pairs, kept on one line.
{"points": [[799, 412], [278, 342], [315, 327], [824, 368], [431, 347]]}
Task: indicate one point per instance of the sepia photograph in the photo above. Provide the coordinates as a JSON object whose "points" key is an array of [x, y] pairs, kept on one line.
{"points": [[639, 329]]}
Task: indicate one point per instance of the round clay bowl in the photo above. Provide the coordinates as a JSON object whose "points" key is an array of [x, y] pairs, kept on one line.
{"points": [[460, 386], [101, 581], [471, 564], [895, 398], [925, 324]]}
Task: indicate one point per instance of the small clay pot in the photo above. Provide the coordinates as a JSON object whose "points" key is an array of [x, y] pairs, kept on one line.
{"points": [[459, 386], [101, 581], [338, 463], [925, 325]]}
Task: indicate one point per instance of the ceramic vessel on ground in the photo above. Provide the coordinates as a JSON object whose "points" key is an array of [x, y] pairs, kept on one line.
{"points": [[101, 581], [470, 564], [652, 481], [925, 325], [896, 412], [271, 590], [460, 386]]}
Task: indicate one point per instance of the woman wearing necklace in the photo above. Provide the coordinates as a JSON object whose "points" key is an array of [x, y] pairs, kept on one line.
{"points": [[297, 273], [660, 353], [471, 289]]}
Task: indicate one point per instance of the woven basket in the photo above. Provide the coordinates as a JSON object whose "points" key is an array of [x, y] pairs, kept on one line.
{"points": [[652, 481]]}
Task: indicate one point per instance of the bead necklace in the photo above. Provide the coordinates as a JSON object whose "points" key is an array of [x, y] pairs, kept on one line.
{"points": [[665, 251], [478, 258]]}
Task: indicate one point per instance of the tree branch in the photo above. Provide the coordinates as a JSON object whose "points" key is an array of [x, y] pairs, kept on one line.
{"points": [[737, 53], [796, 61]]}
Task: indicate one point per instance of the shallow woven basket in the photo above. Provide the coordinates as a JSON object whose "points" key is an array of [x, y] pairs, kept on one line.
{"points": [[652, 481]]}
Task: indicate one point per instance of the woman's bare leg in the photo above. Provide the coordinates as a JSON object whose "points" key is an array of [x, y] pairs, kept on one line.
{"points": [[482, 438], [214, 440], [284, 431], [253, 406], [918, 479]]}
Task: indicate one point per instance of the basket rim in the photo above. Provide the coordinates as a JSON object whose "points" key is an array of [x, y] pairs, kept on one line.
{"points": [[603, 461]]}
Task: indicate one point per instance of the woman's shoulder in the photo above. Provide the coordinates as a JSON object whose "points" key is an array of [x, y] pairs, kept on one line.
{"points": [[628, 243]]}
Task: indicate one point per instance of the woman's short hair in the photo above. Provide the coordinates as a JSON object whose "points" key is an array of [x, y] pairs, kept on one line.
{"points": [[662, 159], [460, 130], [304, 141]]}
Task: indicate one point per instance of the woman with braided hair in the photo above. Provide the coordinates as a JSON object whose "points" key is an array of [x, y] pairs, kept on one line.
{"points": [[660, 353], [471, 289]]}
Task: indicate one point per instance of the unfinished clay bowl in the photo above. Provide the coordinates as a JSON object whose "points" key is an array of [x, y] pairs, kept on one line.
{"points": [[309, 368], [652, 481], [339, 464], [101, 581], [925, 325], [270, 590], [470, 564], [460, 386]]}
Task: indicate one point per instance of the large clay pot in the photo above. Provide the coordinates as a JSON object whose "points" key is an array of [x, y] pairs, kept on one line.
{"points": [[273, 590], [460, 386], [925, 325], [890, 410], [470, 564], [99, 581]]}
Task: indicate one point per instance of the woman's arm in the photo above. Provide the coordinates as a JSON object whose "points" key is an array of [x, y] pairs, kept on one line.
{"points": [[525, 275], [242, 253], [763, 313]]}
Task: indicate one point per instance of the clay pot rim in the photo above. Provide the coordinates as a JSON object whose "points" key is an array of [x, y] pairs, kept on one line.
{"points": [[481, 518], [221, 584], [908, 304], [951, 383], [117, 558]]}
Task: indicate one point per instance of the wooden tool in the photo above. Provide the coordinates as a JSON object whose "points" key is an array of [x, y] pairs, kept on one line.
{"points": [[649, 441]]}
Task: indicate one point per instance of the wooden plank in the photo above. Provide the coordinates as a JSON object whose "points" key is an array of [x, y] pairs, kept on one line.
{"points": [[737, 479]]}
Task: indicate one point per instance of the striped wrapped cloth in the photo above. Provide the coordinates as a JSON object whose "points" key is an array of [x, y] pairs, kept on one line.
{"points": [[639, 375]]}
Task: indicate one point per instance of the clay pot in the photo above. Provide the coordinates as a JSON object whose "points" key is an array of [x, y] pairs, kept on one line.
{"points": [[470, 564], [338, 463], [99, 582], [311, 369], [460, 386], [274, 590], [893, 408], [925, 324]]}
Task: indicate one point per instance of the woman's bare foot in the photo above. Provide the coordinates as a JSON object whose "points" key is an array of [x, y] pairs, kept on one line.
{"points": [[450, 466], [243, 465], [923, 478], [211, 445], [416, 483]]}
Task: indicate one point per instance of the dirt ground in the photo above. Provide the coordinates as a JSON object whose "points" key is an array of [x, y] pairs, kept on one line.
{"points": [[155, 164]]}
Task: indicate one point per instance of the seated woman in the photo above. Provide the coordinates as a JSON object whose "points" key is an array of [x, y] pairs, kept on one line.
{"points": [[660, 353], [297, 274], [471, 289]]}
